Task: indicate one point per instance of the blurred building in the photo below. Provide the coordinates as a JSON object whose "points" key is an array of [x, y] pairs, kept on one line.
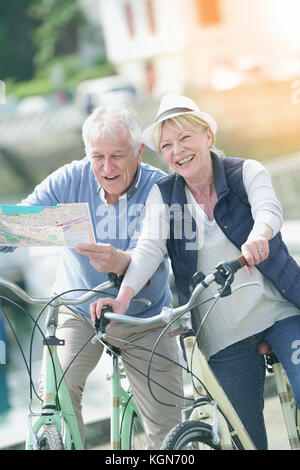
{"points": [[171, 45]]}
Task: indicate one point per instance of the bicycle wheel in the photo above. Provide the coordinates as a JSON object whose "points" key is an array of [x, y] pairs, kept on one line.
{"points": [[137, 433], [296, 412], [50, 438], [190, 435]]}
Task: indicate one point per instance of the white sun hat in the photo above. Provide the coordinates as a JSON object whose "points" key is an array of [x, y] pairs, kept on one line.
{"points": [[175, 105]]}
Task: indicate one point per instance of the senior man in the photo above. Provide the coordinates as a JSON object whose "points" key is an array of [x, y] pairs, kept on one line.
{"points": [[115, 183]]}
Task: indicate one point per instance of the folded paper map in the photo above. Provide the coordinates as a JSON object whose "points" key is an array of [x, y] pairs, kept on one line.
{"points": [[61, 225]]}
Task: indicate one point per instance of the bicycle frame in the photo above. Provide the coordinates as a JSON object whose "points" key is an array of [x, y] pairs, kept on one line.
{"points": [[57, 406], [217, 408], [123, 407], [211, 403], [286, 400]]}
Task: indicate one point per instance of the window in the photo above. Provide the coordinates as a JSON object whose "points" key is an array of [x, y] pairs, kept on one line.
{"points": [[208, 12], [151, 16], [129, 19]]}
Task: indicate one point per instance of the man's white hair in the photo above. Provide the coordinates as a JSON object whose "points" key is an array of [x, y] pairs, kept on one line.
{"points": [[105, 121]]}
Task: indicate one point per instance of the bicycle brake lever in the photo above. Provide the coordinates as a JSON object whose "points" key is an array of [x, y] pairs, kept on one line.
{"points": [[223, 277], [241, 286], [225, 290], [231, 289], [101, 323]]}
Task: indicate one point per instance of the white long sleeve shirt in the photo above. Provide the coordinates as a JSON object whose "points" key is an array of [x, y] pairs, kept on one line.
{"points": [[245, 312]]}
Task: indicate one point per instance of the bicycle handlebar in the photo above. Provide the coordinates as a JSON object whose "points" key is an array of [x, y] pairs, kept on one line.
{"points": [[57, 300], [223, 275]]}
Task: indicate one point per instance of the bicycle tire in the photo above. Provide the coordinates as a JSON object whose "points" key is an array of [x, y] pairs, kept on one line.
{"points": [[297, 420], [190, 435], [295, 409], [50, 438], [137, 433]]}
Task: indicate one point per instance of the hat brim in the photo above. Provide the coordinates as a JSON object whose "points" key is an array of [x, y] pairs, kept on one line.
{"points": [[148, 133]]}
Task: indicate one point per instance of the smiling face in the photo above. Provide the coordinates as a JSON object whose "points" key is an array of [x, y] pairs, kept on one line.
{"points": [[114, 163], [187, 151]]}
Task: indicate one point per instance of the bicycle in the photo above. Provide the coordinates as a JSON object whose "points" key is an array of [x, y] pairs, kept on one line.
{"points": [[210, 421], [55, 426], [127, 430]]}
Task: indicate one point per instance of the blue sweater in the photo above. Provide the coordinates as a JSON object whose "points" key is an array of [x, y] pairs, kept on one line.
{"points": [[118, 225]]}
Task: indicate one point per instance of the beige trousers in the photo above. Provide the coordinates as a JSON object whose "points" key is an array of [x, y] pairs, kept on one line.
{"points": [[158, 418]]}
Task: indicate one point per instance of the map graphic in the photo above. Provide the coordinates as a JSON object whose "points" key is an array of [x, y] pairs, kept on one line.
{"points": [[61, 225]]}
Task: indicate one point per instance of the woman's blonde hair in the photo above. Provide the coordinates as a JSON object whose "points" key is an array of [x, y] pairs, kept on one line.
{"points": [[185, 122]]}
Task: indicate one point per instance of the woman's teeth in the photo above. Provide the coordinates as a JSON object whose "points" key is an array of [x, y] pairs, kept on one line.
{"points": [[185, 160]]}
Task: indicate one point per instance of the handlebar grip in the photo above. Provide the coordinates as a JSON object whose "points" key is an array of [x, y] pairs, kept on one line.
{"points": [[101, 323], [237, 264]]}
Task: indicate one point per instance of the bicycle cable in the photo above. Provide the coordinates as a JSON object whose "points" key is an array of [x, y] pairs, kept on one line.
{"points": [[193, 376], [27, 365], [152, 353], [107, 346], [135, 368], [234, 437], [189, 371], [57, 385], [199, 328]]}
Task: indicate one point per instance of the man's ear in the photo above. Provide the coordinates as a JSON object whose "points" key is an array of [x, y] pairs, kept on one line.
{"points": [[140, 154], [210, 138]]}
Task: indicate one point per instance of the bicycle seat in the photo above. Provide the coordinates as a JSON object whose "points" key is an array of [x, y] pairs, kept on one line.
{"points": [[264, 348]]}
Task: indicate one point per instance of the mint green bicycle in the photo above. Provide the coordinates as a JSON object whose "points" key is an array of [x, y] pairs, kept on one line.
{"points": [[55, 426], [127, 431]]}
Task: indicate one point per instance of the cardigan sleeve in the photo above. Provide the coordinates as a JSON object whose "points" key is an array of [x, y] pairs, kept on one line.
{"points": [[151, 246], [265, 206]]}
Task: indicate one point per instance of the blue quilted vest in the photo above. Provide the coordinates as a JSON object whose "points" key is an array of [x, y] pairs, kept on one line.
{"points": [[233, 215]]}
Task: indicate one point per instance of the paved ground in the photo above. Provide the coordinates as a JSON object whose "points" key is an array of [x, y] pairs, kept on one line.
{"points": [[277, 435], [97, 429], [275, 426], [98, 432]]}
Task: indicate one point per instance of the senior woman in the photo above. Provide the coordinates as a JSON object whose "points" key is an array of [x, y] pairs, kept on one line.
{"points": [[228, 207]]}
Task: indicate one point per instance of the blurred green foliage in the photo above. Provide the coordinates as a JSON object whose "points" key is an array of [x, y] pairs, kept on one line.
{"points": [[39, 47], [58, 25], [17, 49]]}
